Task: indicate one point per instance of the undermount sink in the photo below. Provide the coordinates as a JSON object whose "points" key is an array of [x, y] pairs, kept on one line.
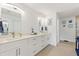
{"points": [[34, 34]]}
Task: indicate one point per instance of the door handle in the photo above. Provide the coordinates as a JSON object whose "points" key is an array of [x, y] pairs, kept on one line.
{"points": [[16, 52], [19, 51]]}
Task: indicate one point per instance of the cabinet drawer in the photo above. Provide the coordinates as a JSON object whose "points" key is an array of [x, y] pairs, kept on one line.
{"points": [[32, 40], [9, 45], [35, 50]]}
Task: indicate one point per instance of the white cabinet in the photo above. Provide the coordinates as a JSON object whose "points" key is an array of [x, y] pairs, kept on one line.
{"points": [[17, 48], [9, 49], [32, 43], [20, 51], [24, 47], [10, 52], [43, 42], [36, 44]]}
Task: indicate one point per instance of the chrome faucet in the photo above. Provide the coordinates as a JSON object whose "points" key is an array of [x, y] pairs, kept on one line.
{"points": [[20, 34], [13, 34]]}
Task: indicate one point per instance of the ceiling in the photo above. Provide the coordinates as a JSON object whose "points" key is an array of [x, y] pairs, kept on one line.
{"points": [[64, 9]]}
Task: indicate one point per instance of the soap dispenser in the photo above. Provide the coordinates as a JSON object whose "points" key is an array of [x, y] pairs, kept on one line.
{"points": [[32, 30]]}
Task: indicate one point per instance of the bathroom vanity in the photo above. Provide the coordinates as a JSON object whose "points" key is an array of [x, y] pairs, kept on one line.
{"points": [[27, 45], [14, 42]]}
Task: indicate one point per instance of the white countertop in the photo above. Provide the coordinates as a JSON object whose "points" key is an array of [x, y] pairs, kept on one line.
{"points": [[7, 39]]}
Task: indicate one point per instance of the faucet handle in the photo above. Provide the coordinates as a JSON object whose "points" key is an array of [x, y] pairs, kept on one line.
{"points": [[12, 33], [20, 34]]}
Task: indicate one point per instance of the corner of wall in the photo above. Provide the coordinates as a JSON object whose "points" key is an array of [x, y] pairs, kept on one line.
{"points": [[53, 44]]}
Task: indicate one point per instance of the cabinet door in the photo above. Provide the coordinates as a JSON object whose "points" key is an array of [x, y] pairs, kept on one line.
{"points": [[44, 41], [23, 49], [10, 52], [32, 46]]}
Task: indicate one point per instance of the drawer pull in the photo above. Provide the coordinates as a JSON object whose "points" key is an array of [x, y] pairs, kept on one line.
{"points": [[19, 51], [16, 52]]}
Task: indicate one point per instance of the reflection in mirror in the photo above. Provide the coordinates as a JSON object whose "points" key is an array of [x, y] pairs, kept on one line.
{"points": [[5, 28], [10, 22], [1, 27]]}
